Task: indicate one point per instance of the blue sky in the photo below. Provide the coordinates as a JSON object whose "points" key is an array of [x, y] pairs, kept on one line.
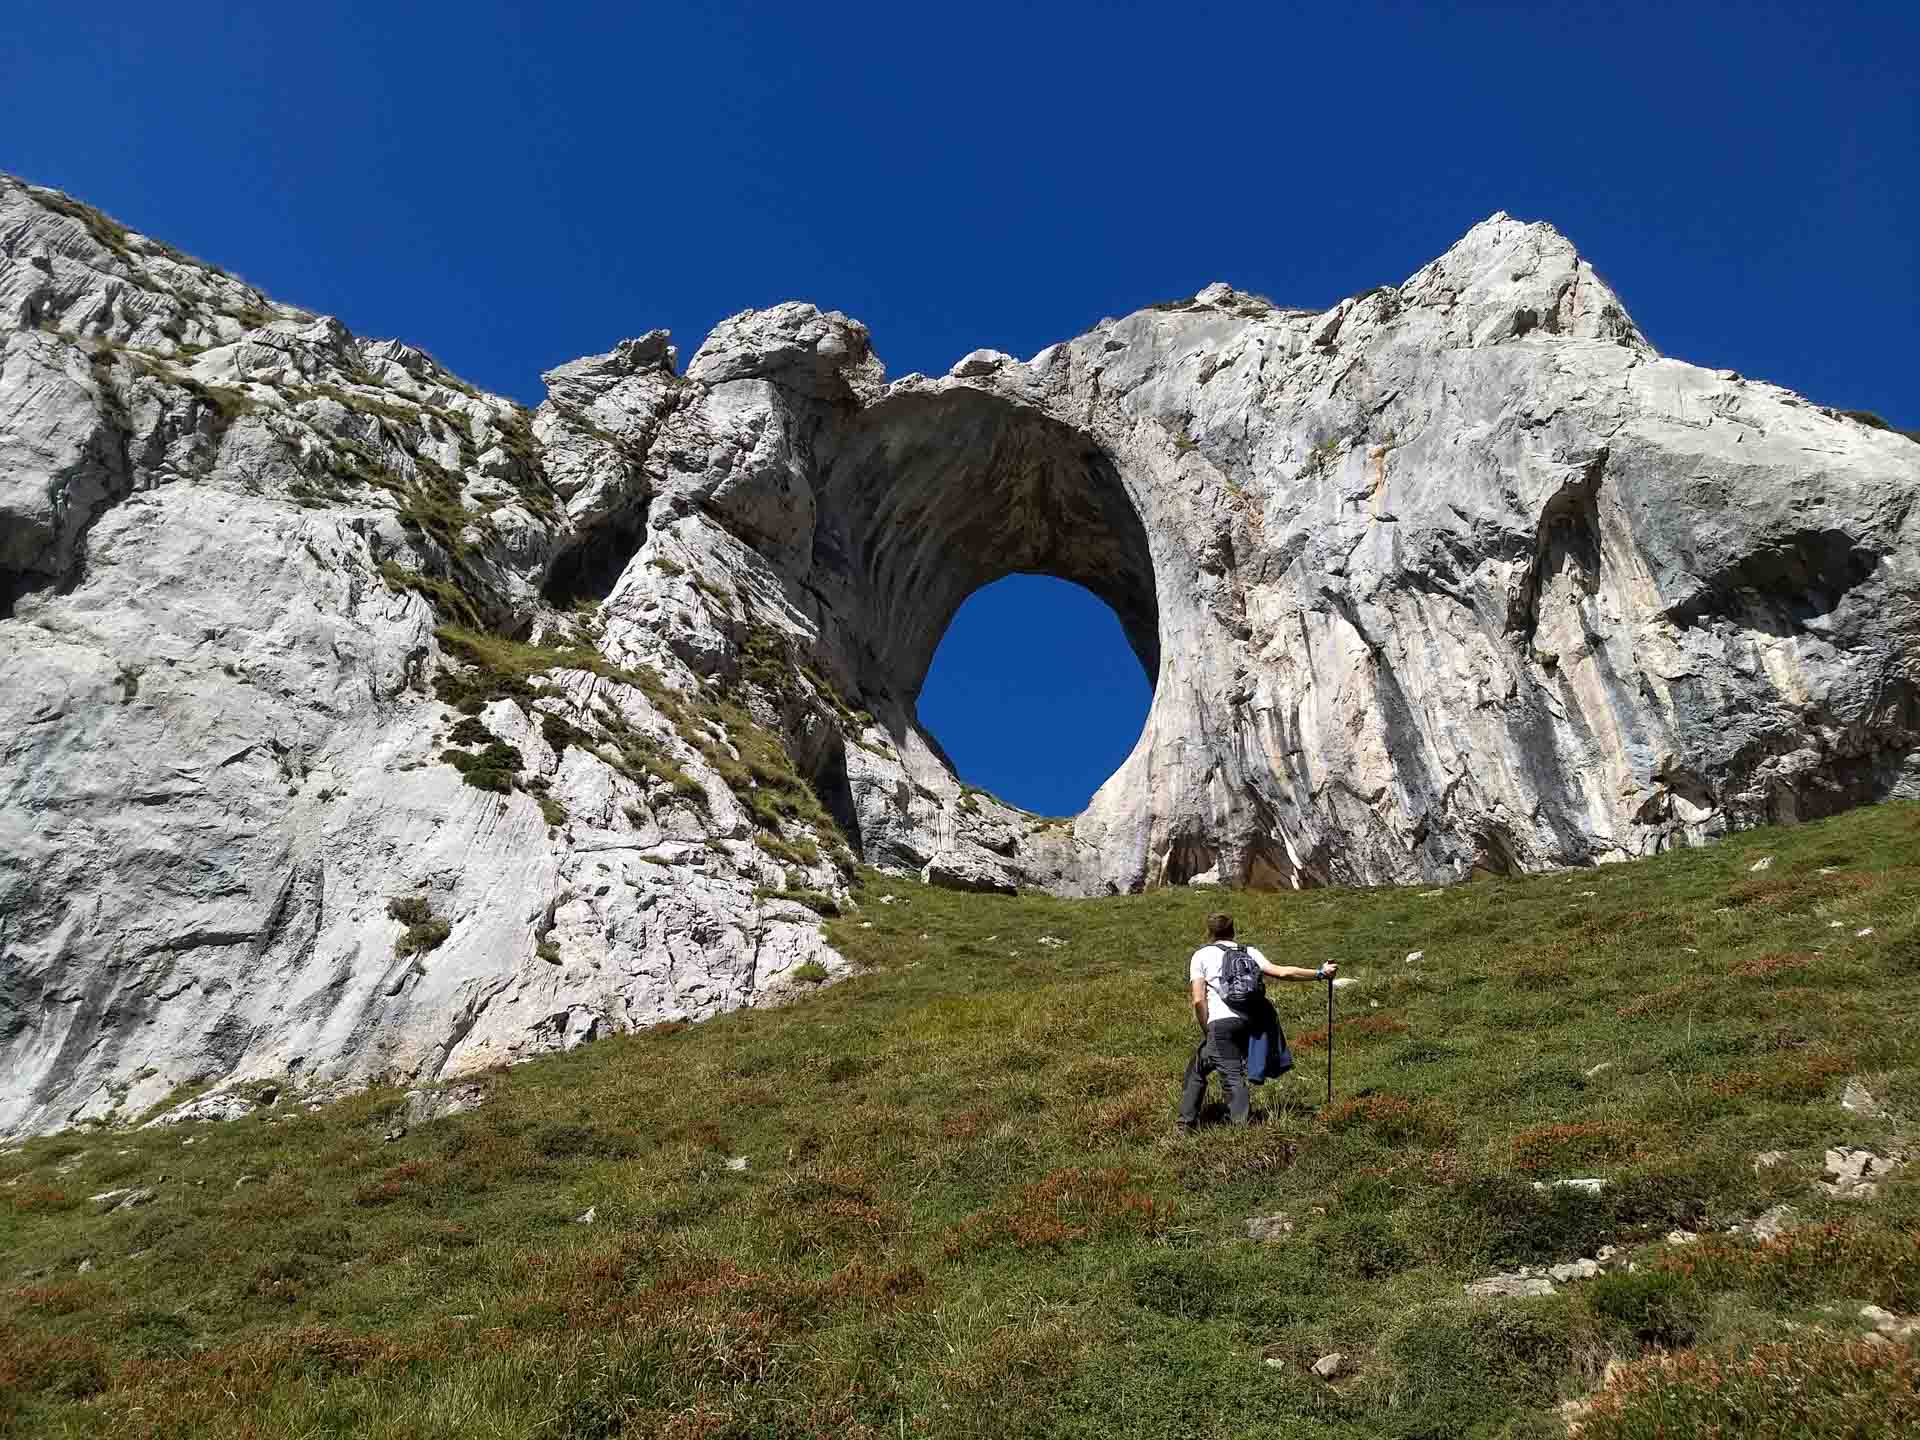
{"points": [[511, 186]]}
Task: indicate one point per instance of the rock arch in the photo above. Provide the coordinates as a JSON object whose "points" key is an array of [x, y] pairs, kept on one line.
{"points": [[927, 498], [887, 506]]}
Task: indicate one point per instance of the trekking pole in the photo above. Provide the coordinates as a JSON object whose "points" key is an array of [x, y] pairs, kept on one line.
{"points": [[1329, 1043]]}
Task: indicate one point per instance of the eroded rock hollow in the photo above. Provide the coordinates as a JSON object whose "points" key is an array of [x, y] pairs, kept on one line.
{"points": [[357, 724]]}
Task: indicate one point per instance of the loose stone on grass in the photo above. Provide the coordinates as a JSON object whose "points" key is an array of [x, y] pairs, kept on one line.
{"points": [[1520, 1285], [1859, 1100], [1589, 1185], [1855, 1174], [125, 1198], [1574, 1270], [1770, 1225], [1888, 1324], [1269, 1229]]}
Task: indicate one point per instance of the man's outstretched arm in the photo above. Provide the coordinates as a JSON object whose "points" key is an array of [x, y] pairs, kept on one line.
{"points": [[1294, 972]]}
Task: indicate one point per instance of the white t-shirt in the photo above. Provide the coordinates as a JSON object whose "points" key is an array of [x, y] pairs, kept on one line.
{"points": [[1205, 965]]}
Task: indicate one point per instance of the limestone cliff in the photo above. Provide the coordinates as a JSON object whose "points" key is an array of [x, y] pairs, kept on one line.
{"points": [[358, 724]]}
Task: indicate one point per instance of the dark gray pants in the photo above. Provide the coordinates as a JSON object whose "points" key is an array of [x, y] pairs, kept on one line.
{"points": [[1225, 1050]]}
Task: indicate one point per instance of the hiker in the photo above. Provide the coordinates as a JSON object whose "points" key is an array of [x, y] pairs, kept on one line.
{"points": [[1218, 969]]}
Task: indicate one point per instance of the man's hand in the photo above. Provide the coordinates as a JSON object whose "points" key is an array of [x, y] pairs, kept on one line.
{"points": [[1329, 970]]}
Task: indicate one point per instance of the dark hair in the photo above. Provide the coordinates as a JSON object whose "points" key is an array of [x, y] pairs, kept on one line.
{"points": [[1220, 926]]}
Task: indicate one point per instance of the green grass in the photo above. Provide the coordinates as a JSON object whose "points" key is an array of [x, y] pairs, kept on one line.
{"points": [[790, 852], [425, 930], [964, 1211], [1876, 422], [815, 900]]}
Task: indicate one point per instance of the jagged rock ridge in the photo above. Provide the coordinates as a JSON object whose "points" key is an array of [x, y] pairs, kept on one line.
{"points": [[358, 724]]}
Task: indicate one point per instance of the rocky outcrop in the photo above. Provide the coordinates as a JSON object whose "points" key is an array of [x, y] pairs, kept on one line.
{"points": [[358, 724]]}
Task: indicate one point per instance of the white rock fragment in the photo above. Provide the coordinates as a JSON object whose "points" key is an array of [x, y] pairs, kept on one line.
{"points": [[1856, 1098], [1414, 957], [125, 1198], [1889, 1325], [1328, 1366], [1574, 1270], [1770, 1225], [1589, 1185], [1270, 1228], [1854, 1174], [587, 1216], [1514, 1286], [736, 1162], [1863, 933], [439, 1102]]}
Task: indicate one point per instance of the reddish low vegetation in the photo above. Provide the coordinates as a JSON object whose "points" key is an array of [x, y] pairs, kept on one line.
{"points": [[1793, 892], [1061, 1208], [1670, 997], [1802, 1262], [1826, 1387], [1555, 1149], [1393, 1119], [1795, 1077], [1364, 1027], [1763, 966]]}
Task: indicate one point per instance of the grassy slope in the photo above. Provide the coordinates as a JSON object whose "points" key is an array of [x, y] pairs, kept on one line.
{"points": [[965, 1212]]}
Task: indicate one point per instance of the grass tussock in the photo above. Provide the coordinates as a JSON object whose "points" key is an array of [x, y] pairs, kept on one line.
{"points": [[943, 1198], [1822, 1387]]}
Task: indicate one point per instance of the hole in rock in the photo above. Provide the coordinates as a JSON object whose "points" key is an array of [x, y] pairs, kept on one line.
{"points": [[589, 570], [1035, 693]]}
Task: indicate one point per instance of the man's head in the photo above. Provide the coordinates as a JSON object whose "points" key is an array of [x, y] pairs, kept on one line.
{"points": [[1220, 927]]}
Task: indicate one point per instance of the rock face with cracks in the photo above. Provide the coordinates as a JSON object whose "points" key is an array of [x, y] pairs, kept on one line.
{"points": [[359, 725]]}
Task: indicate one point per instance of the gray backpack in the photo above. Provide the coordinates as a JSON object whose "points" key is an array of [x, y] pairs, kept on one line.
{"points": [[1240, 978]]}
